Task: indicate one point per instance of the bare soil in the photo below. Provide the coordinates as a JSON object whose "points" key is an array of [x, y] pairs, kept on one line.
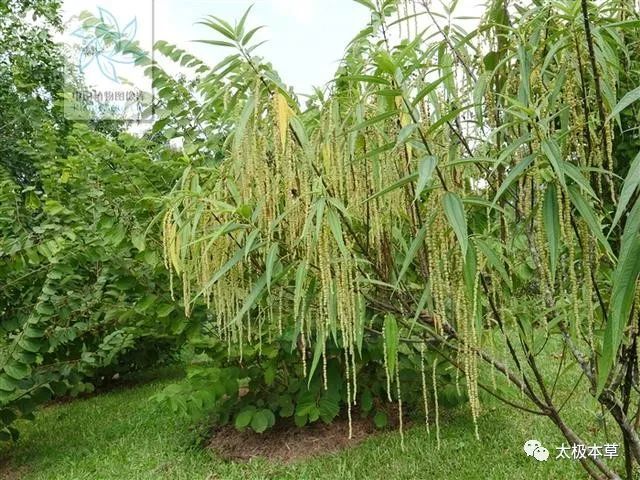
{"points": [[288, 443], [7, 472]]}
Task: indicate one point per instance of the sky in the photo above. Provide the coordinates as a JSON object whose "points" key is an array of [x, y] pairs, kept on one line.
{"points": [[305, 38], [305, 41]]}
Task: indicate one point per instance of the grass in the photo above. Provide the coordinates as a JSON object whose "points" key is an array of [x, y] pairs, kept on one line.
{"points": [[123, 435]]}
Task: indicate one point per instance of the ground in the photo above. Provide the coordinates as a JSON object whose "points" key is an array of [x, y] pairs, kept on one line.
{"points": [[121, 434]]}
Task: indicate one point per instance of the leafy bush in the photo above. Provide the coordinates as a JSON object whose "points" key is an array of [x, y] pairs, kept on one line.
{"points": [[83, 294], [268, 383]]}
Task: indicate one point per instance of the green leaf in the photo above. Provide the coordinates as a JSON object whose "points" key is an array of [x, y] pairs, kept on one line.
{"points": [[329, 407], [217, 43], [241, 124], [426, 167], [364, 78], [286, 406], [513, 175], [336, 229], [33, 332], [380, 419], [367, 3], [631, 184], [366, 401], [269, 373], [138, 242], [552, 152], [428, 89], [272, 256], [41, 394], [624, 281], [165, 309], [237, 257], [8, 384], [373, 121], [384, 61], [391, 341], [7, 416], [240, 28], [470, 268], [243, 418], [219, 26], [300, 420], [252, 299], [247, 38], [416, 244], [399, 184], [33, 345], [574, 173], [317, 354], [551, 220], [588, 215], [405, 133], [628, 99], [250, 243], [17, 371], [454, 210], [301, 275], [262, 419]]}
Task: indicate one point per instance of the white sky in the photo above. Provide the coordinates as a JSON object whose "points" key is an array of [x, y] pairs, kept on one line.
{"points": [[305, 38]]}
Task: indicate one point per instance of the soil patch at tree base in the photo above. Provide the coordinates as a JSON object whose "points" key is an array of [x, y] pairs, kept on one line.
{"points": [[287, 443]]}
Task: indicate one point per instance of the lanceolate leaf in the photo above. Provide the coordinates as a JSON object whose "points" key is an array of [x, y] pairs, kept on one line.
{"points": [[252, 299], [428, 89], [336, 229], [405, 133], [367, 3], [513, 175], [391, 342], [239, 31], [301, 275], [416, 244], [627, 100], [425, 171], [317, 354], [399, 184], [588, 215], [554, 155], [272, 256], [552, 226], [625, 279], [631, 184], [454, 210], [233, 261], [470, 269], [373, 121], [365, 78], [249, 108]]}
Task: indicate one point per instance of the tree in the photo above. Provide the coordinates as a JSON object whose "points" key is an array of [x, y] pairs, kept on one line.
{"points": [[31, 77], [81, 287], [447, 193]]}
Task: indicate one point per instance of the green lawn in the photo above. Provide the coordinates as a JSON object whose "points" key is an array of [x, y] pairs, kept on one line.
{"points": [[123, 435]]}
